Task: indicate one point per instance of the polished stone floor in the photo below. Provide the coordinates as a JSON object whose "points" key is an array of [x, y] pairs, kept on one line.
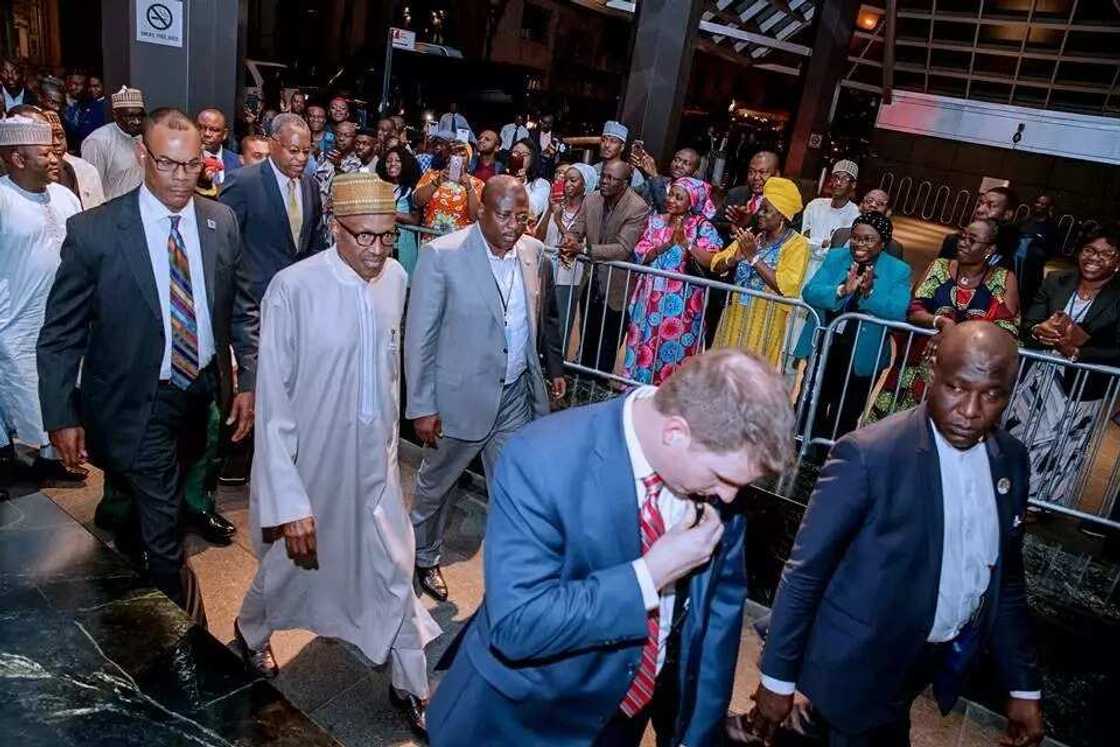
{"points": [[339, 690]]}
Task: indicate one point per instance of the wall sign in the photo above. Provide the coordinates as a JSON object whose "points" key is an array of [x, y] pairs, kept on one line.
{"points": [[160, 22]]}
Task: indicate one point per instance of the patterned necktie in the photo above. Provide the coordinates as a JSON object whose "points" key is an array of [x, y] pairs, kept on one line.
{"points": [[653, 526], [295, 215], [184, 326]]}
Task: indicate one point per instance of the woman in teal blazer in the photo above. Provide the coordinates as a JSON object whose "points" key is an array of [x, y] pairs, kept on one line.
{"points": [[857, 277]]}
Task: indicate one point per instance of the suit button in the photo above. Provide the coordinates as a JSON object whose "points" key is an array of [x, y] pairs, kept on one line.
{"points": [[505, 350]]}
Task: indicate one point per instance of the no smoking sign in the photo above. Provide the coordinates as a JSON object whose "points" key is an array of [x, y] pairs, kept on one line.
{"points": [[160, 22]]}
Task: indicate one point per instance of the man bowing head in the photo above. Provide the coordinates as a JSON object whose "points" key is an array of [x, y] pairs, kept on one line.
{"points": [[615, 575], [333, 537]]}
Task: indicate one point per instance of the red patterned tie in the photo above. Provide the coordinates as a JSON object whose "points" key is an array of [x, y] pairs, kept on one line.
{"points": [[652, 526]]}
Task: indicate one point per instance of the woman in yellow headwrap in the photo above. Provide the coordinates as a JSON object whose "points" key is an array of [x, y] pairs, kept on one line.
{"points": [[772, 260]]}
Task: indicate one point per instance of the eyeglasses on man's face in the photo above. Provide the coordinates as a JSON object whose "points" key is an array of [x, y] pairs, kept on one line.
{"points": [[366, 239], [166, 165]]}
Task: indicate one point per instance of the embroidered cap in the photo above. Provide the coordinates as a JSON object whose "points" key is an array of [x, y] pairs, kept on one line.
{"points": [[846, 167], [616, 129], [128, 98], [359, 193], [19, 130]]}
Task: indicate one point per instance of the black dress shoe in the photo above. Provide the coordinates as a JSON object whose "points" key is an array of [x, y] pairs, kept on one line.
{"points": [[413, 709], [262, 661], [211, 526], [53, 473], [432, 583]]}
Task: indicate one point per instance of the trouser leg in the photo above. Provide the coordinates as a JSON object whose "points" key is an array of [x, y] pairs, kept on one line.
{"points": [[198, 495], [155, 481], [515, 411], [439, 471], [251, 619], [408, 671], [602, 327]]}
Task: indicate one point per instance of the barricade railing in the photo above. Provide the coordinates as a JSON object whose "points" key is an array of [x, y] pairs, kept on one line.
{"points": [[625, 322], [1061, 410]]}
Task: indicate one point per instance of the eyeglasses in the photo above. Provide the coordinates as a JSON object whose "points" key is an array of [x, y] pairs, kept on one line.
{"points": [[1104, 255], [519, 218], [366, 239], [167, 165], [864, 240]]}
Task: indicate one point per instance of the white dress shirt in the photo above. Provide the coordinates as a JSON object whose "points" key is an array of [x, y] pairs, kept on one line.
{"points": [[511, 133], [970, 545], [673, 511], [511, 289], [157, 228], [282, 180]]}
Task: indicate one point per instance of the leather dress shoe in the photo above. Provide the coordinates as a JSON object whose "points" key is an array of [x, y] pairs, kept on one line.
{"points": [[261, 661], [211, 526], [53, 473], [432, 583], [413, 709]]}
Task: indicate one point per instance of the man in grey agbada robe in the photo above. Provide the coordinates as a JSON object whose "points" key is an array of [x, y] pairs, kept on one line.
{"points": [[335, 543]]}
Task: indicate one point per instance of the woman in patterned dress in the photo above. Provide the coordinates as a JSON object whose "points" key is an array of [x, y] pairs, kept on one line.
{"points": [[950, 292], [666, 315]]}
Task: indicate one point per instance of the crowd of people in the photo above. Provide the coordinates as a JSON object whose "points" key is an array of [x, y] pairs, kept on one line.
{"points": [[167, 291]]}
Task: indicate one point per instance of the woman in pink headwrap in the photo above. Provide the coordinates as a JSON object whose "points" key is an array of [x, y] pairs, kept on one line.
{"points": [[665, 314]]}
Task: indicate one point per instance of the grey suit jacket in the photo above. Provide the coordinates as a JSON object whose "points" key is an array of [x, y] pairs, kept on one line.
{"points": [[614, 240], [104, 314], [454, 342]]}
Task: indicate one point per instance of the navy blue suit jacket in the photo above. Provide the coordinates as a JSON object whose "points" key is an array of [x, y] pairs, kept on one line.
{"points": [[857, 598], [555, 645], [230, 162], [266, 238]]}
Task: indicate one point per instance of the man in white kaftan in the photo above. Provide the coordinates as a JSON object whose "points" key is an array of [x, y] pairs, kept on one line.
{"points": [[33, 213], [337, 550], [111, 148]]}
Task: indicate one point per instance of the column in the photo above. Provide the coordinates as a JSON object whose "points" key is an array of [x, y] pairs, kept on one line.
{"points": [[660, 64], [198, 73], [825, 68]]}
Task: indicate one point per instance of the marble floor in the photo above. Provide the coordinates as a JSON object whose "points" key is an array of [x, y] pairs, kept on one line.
{"points": [[333, 684]]}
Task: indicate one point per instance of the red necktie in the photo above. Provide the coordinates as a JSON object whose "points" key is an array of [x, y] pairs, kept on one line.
{"points": [[652, 526]]}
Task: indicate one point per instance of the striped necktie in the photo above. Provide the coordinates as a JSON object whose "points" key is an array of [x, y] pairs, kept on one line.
{"points": [[653, 526], [184, 325]]}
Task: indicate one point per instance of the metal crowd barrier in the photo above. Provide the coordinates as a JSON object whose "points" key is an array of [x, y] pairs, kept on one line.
{"points": [[1079, 435], [1061, 410], [596, 335], [938, 203]]}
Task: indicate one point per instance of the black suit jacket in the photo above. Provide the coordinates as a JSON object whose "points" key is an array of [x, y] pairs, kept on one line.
{"points": [[1102, 322], [104, 314], [266, 239], [858, 596]]}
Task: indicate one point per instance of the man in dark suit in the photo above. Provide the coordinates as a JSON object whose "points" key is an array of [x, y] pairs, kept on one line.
{"points": [[278, 206], [909, 561], [215, 130], [147, 302], [616, 217], [614, 597]]}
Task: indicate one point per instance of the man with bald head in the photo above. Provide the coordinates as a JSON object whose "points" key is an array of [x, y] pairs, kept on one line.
{"points": [[214, 129], [875, 201], [278, 206], [742, 202], [472, 367], [655, 189], [909, 562], [616, 217]]}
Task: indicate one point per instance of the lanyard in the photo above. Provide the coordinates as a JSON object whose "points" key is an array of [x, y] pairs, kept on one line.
{"points": [[506, 296]]}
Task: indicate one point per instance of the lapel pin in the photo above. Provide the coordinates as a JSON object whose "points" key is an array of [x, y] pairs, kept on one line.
{"points": [[1003, 486], [1016, 522], [211, 224]]}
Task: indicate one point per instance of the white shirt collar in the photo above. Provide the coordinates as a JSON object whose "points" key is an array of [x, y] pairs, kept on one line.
{"points": [[944, 447], [638, 459], [151, 205], [281, 178]]}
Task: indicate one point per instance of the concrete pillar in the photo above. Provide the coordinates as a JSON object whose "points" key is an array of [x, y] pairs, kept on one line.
{"points": [[660, 64], [201, 73], [825, 68]]}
